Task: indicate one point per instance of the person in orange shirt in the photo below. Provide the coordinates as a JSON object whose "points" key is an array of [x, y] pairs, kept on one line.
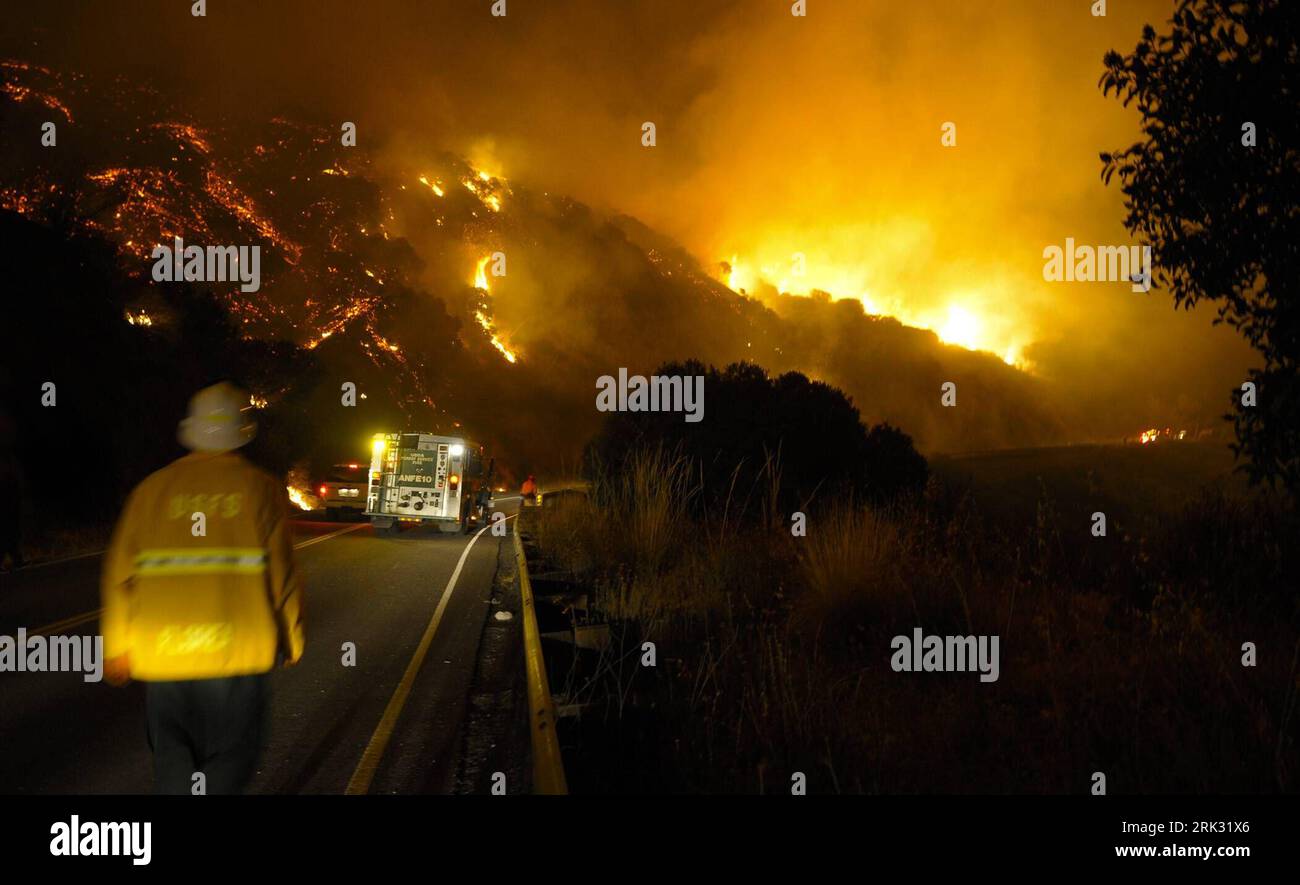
{"points": [[202, 599], [529, 490]]}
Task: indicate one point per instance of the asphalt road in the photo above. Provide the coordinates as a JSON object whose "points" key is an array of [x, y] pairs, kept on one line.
{"points": [[331, 725]]}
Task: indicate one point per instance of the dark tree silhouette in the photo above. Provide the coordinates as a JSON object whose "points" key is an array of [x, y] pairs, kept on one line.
{"points": [[810, 432], [1212, 187]]}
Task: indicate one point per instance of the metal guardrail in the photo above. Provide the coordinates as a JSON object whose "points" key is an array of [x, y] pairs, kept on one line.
{"points": [[548, 765]]}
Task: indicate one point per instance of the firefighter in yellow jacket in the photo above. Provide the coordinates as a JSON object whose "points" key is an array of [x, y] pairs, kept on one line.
{"points": [[202, 600]]}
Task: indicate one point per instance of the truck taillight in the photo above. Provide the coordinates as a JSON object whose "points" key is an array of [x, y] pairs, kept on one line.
{"points": [[324, 490], [453, 481]]}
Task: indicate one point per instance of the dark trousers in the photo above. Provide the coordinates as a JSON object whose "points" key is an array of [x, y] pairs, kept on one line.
{"points": [[213, 726]]}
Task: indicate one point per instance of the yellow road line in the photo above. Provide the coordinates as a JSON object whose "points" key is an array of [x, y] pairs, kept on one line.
{"points": [[359, 784], [77, 620]]}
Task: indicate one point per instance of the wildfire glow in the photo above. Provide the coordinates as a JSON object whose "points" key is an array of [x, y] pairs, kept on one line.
{"points": [[962, 328], [489, 327], [483, 187], [315, 342], [21, 93], [190, 135], [971, 320], [301, 499], [1155, 434], [481, 283], [235, 201], [737, 280]]}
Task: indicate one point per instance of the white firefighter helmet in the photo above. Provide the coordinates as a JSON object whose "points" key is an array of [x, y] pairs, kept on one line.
{"points": [[220, 419]]}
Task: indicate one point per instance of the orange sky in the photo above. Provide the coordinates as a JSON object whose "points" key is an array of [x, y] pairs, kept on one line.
{"points": [[821, 136], [776, 135]]}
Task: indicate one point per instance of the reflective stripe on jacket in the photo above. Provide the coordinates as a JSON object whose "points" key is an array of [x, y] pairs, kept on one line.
{"points": [[191, 604]]}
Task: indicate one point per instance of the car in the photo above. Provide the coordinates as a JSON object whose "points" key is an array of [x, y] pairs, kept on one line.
{"points": [[343, 493]]}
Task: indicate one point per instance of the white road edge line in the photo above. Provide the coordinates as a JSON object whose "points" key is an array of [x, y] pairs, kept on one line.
{"points": [[334, 534], [364, 774], [44, 563], [75, 556]]}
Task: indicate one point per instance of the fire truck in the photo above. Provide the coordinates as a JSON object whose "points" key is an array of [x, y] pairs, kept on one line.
{"points": [[425, 478]]}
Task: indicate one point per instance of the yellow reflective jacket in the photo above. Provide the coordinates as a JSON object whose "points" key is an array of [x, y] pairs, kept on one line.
{"points": [[186, 603]]}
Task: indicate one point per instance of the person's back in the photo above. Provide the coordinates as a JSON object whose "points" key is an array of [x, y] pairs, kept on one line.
{"points": [[202, 600], [199, 604], [529, 488]]}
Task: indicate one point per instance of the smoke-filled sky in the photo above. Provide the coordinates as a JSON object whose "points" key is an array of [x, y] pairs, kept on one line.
{"points": [[775, 135]]}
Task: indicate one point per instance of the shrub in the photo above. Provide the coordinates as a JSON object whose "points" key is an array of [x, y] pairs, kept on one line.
{"points": [[784, 441]]}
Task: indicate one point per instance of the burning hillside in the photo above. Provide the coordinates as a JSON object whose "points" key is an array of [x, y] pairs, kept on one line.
{"points": [[469, 300], [322, 221]]}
